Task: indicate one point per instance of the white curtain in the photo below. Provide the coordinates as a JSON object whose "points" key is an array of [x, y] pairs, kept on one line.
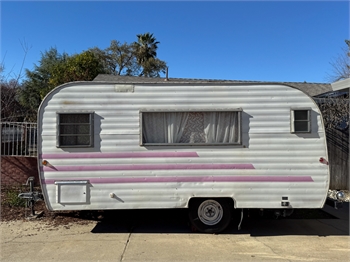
{"points": [[163, 127], [221, 127], [176, 123]]}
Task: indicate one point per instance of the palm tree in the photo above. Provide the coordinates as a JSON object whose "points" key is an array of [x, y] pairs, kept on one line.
{"points": [[145, 47]]}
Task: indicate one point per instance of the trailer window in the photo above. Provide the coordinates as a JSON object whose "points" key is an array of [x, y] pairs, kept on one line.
{"points": [[300, 120], [186, 128], [75, 130]]}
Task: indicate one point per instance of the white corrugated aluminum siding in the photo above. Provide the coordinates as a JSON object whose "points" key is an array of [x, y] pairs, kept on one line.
{"points": [[268, 146]]}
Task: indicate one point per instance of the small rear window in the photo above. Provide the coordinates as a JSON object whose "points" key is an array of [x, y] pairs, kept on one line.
{"points": [[300, 121]]}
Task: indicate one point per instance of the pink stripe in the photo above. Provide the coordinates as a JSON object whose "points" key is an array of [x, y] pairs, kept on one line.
{"points": [[118, 155], [182, 179], [148, 167]]}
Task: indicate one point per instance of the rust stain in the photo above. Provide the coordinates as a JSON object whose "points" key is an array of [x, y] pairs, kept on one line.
{"points": [[68, 102]]}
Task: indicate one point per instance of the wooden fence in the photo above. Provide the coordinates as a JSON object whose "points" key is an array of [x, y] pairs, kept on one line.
{"points": [[338, 157]]}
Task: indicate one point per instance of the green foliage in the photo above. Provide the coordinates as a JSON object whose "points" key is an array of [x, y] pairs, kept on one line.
{"points": [[81, 67], [145, 47], [11, 198], [145, 50], [30, 98], [152, 67], [36, 86], [53, 70], [135, 59]]}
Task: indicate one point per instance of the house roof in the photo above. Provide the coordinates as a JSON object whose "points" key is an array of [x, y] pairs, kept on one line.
{"points": [[342, 85], [312, 89]]}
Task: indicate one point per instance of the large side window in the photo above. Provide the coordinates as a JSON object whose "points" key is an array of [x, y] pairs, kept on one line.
{"points": [[75, 129], [191, 128], [300, 120]]}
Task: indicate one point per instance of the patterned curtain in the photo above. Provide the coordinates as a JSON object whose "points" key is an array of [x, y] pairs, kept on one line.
{"points": [[194, 129]]}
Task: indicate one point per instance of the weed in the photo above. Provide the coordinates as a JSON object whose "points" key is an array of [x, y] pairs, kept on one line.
{"points": [[11, 198]]}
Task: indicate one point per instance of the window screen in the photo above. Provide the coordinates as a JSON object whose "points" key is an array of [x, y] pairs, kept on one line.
{"points": [[300, 121], [75, 130], [183, 128]]}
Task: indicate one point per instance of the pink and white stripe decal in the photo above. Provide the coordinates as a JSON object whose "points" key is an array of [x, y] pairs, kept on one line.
{"points": [[147, 167], [119, 155], [183, 179]]}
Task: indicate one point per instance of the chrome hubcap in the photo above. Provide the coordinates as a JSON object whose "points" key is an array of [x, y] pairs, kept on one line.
{"points": [[210, 212]]}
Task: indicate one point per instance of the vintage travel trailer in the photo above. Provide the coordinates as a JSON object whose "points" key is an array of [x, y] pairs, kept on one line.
{"points": [[210, 146]]}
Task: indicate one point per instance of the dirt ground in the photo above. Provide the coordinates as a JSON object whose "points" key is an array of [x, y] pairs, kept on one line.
{"points": [[12, 211]]}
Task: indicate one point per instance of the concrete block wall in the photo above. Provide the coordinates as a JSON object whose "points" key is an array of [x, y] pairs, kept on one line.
{"points": [[16, 170]]}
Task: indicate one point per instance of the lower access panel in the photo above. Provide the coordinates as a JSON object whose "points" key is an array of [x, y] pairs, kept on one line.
{"points": [[73, 192]]}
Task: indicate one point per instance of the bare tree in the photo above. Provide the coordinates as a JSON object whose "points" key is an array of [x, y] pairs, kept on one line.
{"points": [[10, 75], [341, 65], [11, 109], [335, 112], [118, 58]]}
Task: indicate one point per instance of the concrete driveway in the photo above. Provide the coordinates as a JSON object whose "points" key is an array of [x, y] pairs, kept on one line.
{"points": [[166, 236]]}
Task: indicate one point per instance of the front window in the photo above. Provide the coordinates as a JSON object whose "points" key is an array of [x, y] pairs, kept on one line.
{"points": [[75, 130], [191, 128]]}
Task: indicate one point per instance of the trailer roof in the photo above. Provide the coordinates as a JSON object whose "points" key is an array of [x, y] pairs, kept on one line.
{"points": [[312, 89]]}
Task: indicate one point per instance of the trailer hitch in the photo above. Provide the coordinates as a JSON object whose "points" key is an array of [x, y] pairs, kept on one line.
{"points": [[36, 196], [31, 196]]}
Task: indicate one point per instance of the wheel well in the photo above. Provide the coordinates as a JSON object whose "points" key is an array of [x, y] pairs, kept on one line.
{"points": [[210, 214], [229, 199]]}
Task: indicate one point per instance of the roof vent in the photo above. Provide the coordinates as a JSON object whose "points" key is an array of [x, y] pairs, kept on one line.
{"points": [[166, 74]]}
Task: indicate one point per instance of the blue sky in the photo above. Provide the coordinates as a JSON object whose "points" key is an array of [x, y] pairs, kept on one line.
{"points": [[263, 41]]}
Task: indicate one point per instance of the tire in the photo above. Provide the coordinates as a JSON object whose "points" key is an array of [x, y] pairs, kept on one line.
{"points": [[210, 215]]}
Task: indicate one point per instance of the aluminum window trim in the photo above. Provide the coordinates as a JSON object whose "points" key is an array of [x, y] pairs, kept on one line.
{"points": [[239, 110], [293, 121], [91, 129]]}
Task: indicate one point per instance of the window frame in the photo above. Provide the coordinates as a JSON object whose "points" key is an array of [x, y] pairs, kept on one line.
{"points": [[238, 110], [293, 121], [91, 129]]}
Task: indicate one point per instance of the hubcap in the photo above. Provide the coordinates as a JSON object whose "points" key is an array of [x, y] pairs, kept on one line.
{"points": [[210, 212]]}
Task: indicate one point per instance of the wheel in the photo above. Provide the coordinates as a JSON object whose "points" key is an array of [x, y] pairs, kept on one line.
{"points": [[210, 215]]}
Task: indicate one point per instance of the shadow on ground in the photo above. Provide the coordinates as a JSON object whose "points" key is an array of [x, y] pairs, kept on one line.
{"points": [[301, 222]]}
